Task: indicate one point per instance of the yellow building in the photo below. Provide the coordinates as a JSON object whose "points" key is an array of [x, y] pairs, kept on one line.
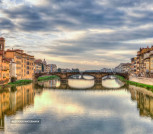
{"points": [[24, 68], [144, 62], [15, 63], [4, 64], [146, 66], [151, 64]]}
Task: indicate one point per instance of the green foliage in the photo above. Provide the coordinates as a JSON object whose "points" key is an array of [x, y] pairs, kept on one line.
{"points": [[48, 78], [149, 87], [20, 82]]}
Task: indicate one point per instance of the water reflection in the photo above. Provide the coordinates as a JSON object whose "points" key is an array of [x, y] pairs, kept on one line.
{"points": [[76, 111], [144, 101], [112, 83], [52, 83], [14, 99], [80, 83]]}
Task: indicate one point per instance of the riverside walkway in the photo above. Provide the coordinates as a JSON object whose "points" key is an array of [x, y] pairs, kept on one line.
{"points": [[143, 80]]}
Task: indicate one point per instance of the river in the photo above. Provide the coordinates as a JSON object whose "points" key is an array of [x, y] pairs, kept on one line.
{"points": [[75, 110]]}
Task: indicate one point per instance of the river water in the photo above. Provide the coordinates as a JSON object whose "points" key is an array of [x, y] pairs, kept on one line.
{"points": [[124, 110]]}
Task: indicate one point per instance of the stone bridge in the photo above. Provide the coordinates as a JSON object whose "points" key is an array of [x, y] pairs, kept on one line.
{"points": [[66, 75]]}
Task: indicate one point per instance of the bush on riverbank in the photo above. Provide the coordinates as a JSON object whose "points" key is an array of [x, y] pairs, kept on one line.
{"points": [[149, 87], [48, 78], [20, 82]]}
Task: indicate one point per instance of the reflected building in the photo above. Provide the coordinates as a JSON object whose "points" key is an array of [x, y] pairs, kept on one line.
{"points": [[12, 101], [50, 83], [144, 101], [4, 106]]}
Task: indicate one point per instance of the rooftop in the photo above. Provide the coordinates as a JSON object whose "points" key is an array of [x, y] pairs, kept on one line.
{"points": [[19, 51]]}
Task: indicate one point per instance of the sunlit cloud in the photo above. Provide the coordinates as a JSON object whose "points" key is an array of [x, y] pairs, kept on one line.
{"points": [[101, 30]]}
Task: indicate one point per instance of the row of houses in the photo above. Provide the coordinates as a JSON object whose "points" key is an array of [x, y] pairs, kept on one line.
{"points": [[123, 68], [142, 64], [16, 64], [42, 66]]}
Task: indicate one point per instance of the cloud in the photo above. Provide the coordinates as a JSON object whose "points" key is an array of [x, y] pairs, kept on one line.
{"points": [[70, 28], [6, 24]]}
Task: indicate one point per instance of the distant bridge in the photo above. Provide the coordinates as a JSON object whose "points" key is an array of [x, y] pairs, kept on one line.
{"points": [[64, 76]]}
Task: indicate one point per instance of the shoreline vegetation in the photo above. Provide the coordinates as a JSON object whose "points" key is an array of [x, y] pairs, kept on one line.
{"points": [[149, 87], [25, 82], [20, 82], [44, 78]]}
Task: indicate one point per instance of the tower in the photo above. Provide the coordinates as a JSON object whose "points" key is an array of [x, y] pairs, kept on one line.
{"points": [[2, 45]]}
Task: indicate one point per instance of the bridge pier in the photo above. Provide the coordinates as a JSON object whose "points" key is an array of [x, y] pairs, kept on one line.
{"points": [[98, 81], [64, 81]]}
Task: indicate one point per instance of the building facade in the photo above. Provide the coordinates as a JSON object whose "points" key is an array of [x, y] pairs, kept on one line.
{"points": [[123, 68], [4, 64], [133, 65], [144, 62], [24, 68], [53, 67], [38, 66]]}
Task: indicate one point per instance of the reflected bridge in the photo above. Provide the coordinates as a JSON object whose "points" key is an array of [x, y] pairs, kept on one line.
{"points": [[66, 86], [64, 76]]}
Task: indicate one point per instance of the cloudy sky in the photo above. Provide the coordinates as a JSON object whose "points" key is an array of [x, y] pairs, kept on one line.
{"points": [[87, 34]]}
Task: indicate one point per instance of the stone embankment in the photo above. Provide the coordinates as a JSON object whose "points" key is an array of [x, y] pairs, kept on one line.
{"points": [[148, 81]]}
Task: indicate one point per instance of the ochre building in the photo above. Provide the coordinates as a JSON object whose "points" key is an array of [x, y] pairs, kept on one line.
{"points": [[4, 64], [24, 63]]}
